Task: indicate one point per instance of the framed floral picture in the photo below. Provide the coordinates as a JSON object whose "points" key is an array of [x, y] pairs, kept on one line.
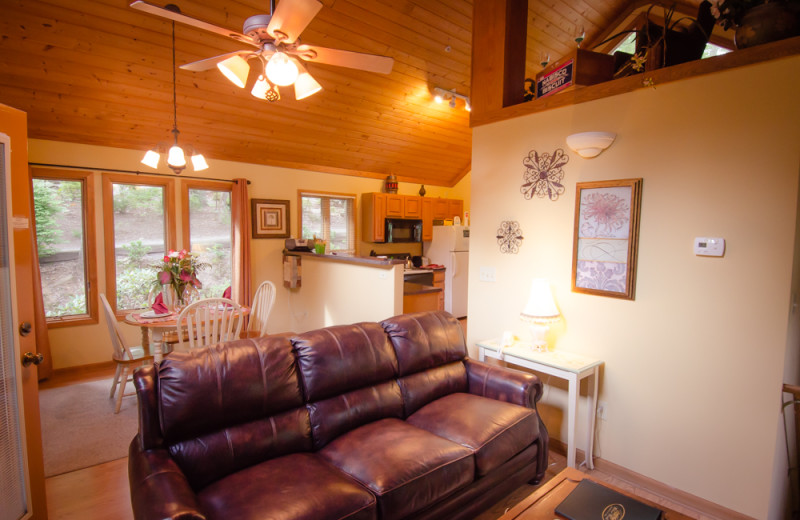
{"points": [[270, 218], [606, 238]]}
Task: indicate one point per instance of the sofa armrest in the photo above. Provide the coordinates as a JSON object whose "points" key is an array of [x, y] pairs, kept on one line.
{"points": [[159, 490], [503, 384]]}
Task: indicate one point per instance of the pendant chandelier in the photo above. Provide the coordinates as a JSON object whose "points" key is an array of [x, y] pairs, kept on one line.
{"points": [[176, 158]]}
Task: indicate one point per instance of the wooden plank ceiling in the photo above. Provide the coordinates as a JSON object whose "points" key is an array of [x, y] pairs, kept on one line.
{"points": [[99, 72]]}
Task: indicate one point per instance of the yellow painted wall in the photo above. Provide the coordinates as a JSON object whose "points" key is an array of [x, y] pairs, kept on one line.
{"points": [[694, 366], [88, 344]]}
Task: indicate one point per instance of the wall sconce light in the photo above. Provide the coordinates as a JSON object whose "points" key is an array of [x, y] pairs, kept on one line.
{"points": [[590, 144], [540, 312], [441, 95]]}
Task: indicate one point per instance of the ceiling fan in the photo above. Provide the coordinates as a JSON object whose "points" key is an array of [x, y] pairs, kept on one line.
{"points": [[276, 38]]}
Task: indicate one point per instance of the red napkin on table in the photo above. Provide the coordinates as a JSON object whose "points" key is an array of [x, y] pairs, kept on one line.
{"points": [[158, 305], [227, 293]]}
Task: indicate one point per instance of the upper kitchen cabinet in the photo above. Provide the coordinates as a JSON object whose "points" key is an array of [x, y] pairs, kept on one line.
{"points": [[440, 209], [455, 208], [394, 205], [426, 206], [373, 215], [412, 206]]}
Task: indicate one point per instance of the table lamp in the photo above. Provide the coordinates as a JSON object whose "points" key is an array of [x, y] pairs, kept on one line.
{"points": [[540, 312]]}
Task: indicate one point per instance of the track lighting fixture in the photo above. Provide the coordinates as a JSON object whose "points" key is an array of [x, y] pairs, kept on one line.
{"points": [[441, 95]]}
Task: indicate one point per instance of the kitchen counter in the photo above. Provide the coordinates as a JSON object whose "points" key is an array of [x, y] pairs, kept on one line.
{"points": [[418, 288], [364, 260]]}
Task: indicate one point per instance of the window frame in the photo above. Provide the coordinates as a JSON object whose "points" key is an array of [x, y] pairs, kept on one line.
{"points": [[331, 195], [86, 178], [186, 221], [109, 179]]}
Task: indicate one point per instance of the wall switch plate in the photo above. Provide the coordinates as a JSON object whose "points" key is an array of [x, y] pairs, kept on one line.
{"points": [[709, 246], [487, 274]]}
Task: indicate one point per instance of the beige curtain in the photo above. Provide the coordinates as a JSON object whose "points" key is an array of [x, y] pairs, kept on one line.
{"points": [[45, 368], [240, 215]]}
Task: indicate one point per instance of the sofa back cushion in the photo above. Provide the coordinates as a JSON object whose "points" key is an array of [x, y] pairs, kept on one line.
{"points": [[339, 359], [229, 406], [348, 375], [430, 350]]}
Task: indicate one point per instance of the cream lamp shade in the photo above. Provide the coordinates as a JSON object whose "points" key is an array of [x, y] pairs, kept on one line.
{"points": [[540, 311], [235, 69], [590, 144], [281, 70], [305, 85]]}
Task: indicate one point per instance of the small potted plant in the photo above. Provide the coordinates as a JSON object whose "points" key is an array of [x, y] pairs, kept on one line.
{"points": [[758, 21]]}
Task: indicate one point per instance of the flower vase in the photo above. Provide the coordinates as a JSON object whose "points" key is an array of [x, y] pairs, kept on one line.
{"points": [[169, 297]]}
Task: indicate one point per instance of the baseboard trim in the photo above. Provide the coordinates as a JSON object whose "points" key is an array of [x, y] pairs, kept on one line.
{"points": [[699, 505]]}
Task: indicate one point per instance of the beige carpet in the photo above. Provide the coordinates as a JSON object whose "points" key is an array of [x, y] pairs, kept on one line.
{"points": [[80, 428]]}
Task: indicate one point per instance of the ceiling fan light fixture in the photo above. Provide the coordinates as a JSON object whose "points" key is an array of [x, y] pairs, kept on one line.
{"points": [[281, 70], [260, 87], [199, 162], [151, 158], [305, 85], [235, 69]]}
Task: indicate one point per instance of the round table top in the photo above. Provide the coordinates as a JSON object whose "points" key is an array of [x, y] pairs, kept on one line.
{"points": [[168, 321]]}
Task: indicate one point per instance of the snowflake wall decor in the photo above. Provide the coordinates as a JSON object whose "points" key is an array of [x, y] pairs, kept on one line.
{"points": [[543, 174], [509, 236]]}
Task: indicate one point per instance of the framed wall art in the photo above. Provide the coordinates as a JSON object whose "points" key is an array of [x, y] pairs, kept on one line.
{"points": [[606, 238], [270, 218]]}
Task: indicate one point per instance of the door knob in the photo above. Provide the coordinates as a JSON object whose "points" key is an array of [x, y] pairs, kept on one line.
{"points": [[25, 328], [29, 358]]}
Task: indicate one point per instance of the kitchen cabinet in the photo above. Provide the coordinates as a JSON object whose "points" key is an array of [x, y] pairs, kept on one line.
{"points": [[373, 215], [426, 209], [394, 205], [455, 208], [440, 209], [412, 206], [438, 281]]}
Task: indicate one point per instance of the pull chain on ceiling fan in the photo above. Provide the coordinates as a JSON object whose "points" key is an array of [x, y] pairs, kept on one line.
{"points": [[279, 52]]}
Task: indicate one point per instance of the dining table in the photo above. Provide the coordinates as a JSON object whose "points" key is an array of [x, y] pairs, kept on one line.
{"points": [[153, 326]]}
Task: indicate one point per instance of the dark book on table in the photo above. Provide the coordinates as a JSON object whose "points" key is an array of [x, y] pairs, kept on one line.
{"points": [[592, 501]]}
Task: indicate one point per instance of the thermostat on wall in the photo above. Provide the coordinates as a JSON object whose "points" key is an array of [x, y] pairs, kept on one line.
{"points": [[709, 246]]}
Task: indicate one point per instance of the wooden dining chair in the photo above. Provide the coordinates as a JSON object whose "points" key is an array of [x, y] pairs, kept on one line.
{"points": [[124, 355], [263, 301], [208, 322]]}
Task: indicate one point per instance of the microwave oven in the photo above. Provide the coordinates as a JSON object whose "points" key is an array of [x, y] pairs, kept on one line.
{"points": [[403, 230]]}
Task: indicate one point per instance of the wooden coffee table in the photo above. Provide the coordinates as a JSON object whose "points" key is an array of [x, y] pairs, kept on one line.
{"points": [[542, 503]]}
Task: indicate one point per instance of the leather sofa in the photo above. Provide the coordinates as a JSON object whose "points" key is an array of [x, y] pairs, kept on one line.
{"points": [[373, 421]]}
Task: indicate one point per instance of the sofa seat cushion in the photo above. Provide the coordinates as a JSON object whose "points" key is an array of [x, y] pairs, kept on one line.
{"points": [[405, 467], [294, 487], [494, 430]]}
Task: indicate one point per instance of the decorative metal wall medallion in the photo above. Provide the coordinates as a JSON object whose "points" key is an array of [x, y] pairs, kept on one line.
{"points": [[543, 174], [509, 236]]}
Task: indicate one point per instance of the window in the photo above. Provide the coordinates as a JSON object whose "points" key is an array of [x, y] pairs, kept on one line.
{"points": [[207, 210], [629, 45], [139, 228], [329, 217], [64, 213]]}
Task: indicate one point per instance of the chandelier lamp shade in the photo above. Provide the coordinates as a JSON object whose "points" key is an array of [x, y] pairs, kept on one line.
{"points": [[441, 95], [176, 157]]}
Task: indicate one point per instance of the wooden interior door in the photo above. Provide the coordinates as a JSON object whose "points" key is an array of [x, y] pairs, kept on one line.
{"points": [[22, 491]]}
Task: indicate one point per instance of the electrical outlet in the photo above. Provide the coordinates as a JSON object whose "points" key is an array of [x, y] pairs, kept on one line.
{"points": [[487, 274], [601, 410]]}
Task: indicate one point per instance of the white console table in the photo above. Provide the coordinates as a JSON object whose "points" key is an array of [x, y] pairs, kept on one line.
{"points": [[561, 364]]}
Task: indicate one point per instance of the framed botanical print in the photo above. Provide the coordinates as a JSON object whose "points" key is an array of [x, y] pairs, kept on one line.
{"points": [[270, 218], [606, 238]]}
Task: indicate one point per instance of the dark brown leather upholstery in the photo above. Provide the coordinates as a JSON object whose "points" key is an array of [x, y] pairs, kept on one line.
{"points": [[385, 421]]}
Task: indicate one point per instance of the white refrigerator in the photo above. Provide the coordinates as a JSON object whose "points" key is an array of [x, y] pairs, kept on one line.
{"points": [[450, 248]]}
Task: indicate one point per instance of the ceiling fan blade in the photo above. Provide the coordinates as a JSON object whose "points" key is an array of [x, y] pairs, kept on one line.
{"points": [[210, 63], [291, 17], [353, 60], [164, 12]]}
